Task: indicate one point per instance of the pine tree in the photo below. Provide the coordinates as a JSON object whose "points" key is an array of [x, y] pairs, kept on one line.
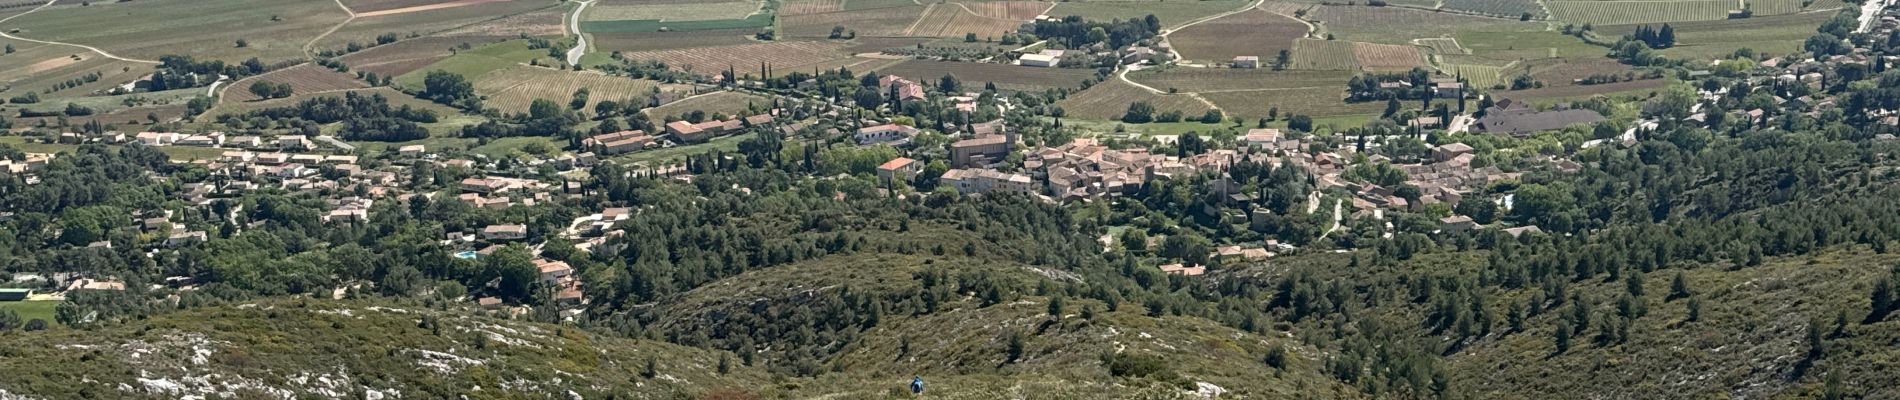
{"points": [[1563, 338], [1678, 287]]}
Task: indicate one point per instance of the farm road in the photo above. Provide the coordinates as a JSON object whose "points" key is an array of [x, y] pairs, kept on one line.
{"points": [[49, 3], [333, 29], [574, 25]]}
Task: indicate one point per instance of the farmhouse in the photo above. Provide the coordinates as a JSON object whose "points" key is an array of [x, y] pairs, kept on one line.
{"points": [[1037, 60], [687, 132], [904, 89], [1262, 137], [1247, 62], [619, 142], [898, 168]]}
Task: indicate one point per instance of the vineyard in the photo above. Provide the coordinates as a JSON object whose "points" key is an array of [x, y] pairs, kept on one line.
{"points": [[1775, 7], [888, 21], [721, 102], [1323, 55], [1639, 12], [652, 41], [1010, 10], [303, 79], [1171, 13], [802, 7], [1500, 8], [1111, 98], [1251, 33], [1446, 46], [512, 90], [1399, 25], [974, 75], [1480, 75], [1227, 79], [409, 55], [1386, 57], [951, 20], [706, 60], [673, 12]]}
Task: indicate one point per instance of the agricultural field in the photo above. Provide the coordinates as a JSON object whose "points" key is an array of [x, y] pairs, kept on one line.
{"points": [[974, 75], [413, 23], [306, 78], [1499, 8], [721, 102], [474, 63], [1252, 93], [1780, 34], [1109, 99], [1480, 75], [46, 68], [887, 21], [451, 120], [1564, 72], [512, 90], [1503, 47], [957, 20], [650, 41], [1251, 33], [407, 55], [1442, 46], [759, 20], [854, 5], [704, 11], [802, 7], [1579, 92], [1317, 102], [1386, 57], [1172, 13], [1227, 79], [1399, 25], [1010, 10], [787, 55], [206, 29], [550, 21], [1639, 12], [1774, 7], [1319, 54]]}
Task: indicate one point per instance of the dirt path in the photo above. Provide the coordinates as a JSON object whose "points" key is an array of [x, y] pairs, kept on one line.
{"points": [[333, 29], [49, 3], [574, 26]]}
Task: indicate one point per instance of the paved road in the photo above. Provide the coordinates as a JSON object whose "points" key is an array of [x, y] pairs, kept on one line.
{"points": [[574, 25]]}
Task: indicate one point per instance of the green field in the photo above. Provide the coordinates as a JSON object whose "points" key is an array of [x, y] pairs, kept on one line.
{"points": [[672, 12], [148, 29], [31, 310], [729, 103], [479, 61], [660, 156], [1780, 34]]}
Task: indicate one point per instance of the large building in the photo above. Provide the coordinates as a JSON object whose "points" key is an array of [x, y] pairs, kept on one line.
{"points": [[982, 150]]}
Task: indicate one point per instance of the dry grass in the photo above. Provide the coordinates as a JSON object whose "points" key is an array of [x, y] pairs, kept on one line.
{"points": [[652, 41], [974, 75], [513, 89], [784, 54], [802, 7], [890, 21], [1111, 98]]}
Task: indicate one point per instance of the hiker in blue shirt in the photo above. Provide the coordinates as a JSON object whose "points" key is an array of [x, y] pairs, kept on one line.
{"points": [[917, 385]]}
